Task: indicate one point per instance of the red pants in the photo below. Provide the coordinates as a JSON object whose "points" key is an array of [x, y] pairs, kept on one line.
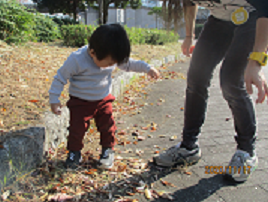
{"points": [[81, 111]]}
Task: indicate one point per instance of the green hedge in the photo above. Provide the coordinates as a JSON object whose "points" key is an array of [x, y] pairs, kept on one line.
{"points": [[78, 35], [16, 24], [45, 29], [64, 21], [19, 25]]}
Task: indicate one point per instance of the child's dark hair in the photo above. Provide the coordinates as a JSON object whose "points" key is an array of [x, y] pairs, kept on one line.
{"points": [[110, 39]]}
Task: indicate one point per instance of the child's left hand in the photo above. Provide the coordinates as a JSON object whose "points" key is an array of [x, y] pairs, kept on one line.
{"points": [[153, 73]]}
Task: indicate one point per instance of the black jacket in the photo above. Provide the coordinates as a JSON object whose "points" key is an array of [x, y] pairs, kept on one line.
{"points": [[261, 6]]}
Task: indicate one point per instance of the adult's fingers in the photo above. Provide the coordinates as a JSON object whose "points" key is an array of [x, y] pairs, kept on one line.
{"points": [[261, 92], [249, 87]]}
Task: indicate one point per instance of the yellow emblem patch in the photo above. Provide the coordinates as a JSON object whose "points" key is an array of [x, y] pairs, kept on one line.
{"points": [[239, 16]]}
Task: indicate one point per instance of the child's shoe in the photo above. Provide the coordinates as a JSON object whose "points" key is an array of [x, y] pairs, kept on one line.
{"points": [[73, 160], [106, 158]]}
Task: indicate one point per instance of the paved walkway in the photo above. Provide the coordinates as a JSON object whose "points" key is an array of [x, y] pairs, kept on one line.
{"points": [[217, 144]]}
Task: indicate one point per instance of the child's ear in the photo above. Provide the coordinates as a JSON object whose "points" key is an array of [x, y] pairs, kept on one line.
{"points": [[92, 53]]}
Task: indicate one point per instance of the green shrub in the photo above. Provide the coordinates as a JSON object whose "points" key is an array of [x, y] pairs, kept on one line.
{"points": [[19, 25], [64, 21], [16, 24], [150, 36], [46, 29], [78, 35]]}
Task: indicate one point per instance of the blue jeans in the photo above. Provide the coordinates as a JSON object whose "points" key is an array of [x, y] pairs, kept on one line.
{"points": [[221, 40]]}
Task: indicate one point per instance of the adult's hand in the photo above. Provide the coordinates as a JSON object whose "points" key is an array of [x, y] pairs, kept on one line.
{"points": [[185, 47], [254, 76]]}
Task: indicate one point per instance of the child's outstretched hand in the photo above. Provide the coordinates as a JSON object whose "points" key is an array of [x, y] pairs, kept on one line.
{"points": [[153, 73], [55, 108]]}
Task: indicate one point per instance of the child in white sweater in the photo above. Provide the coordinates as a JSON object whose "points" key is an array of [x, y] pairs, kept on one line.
{"points": [[89, 71]]}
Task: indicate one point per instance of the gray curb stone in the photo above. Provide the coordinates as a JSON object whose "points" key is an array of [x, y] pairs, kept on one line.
{"points": [[27, 147]]}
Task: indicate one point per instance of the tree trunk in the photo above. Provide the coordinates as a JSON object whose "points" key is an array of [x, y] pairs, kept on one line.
{"points": [[74, 9], [164, 11], [105, 11], [100, 12], [169, 18], [156, 20]]}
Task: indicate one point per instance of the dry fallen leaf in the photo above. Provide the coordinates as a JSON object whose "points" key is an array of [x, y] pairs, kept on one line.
{"points": [[5, 195], [126, 200], [121, 132], [121, 167], [34, 101], [173, 137], [140, 138], [60, 197], [167, 183], [148, 193], [188, 173]]}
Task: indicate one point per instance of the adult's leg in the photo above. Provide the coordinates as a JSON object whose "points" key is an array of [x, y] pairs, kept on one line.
{"points": [[233, 87], [209, 51]]}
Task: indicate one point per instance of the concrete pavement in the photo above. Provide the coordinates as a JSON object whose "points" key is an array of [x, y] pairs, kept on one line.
{"points": [[216, 141]]}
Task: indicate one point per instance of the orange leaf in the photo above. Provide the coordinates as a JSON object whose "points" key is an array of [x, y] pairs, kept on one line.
{"points": [[188, 173], [167, 183], [121, 133], [135, 142], [122, 167], [153, 128], [156, 152], [33, 101]]}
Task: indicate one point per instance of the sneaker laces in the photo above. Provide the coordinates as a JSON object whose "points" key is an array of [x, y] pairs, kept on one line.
{"points": [[237, 160], [173, 151], [72, 155], [105, 153]]}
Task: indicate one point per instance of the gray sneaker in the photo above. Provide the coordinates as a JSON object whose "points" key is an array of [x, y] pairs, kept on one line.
{"points": [[106, 159], [241, 166], [177, 155]]}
